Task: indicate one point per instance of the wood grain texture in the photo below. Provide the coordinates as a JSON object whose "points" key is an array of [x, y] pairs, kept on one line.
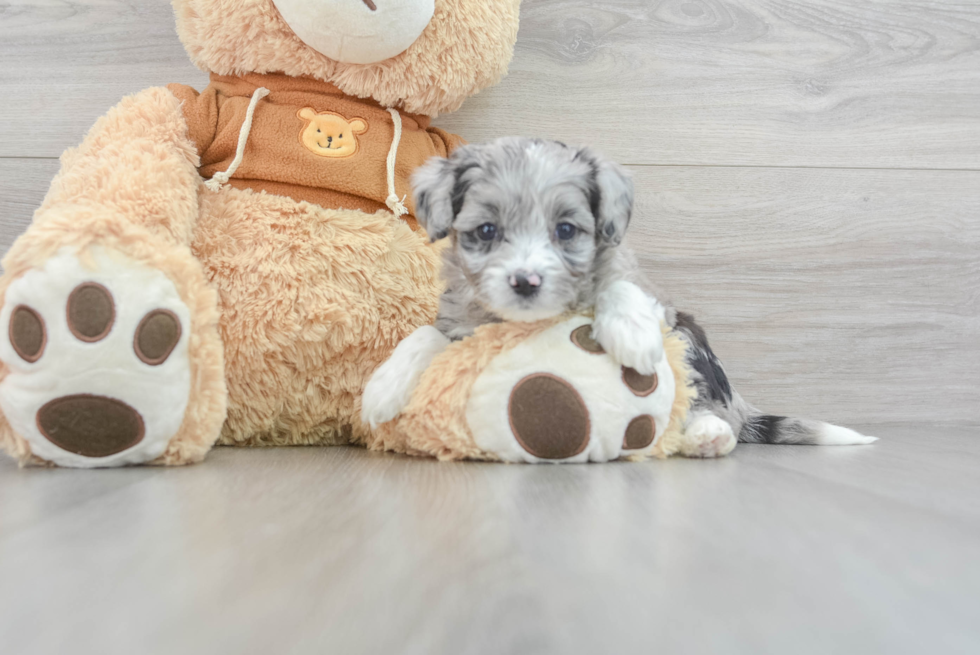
{"points": [[852, 296], [338, 550], [891, 84], [717, 82], [23, 183], [65, 63]]}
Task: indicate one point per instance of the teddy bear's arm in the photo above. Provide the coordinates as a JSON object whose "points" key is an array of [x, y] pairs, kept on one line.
{"points": [[137, 165], [447, 140], [200, 111]]}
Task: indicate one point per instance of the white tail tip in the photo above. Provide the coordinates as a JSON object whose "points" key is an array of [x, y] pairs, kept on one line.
{"points": [[835, 435]]}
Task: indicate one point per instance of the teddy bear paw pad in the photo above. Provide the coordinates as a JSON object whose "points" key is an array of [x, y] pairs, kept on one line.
{"points": [[98, 359], [27, 334], [91, 426], [640, 433], [548, 417], [641, 385], [559, 397]]}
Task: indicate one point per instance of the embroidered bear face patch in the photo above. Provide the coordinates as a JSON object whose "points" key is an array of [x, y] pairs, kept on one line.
{"points": [[330, 135]]}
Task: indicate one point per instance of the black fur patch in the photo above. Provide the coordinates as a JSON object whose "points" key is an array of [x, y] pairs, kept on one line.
{"points": [[779, 430], [703, 360], [760, 429], [461, 186], [595, 194], [593, 191]]}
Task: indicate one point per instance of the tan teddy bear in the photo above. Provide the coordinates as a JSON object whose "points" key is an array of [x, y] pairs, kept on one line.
{"points": [[205, 269]]}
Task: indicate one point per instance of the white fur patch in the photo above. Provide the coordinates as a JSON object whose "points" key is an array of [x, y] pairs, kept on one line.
{"points": [[708, 436], [835, 435], [391, 387], [109, 367], [598, 378], [627, 325]]}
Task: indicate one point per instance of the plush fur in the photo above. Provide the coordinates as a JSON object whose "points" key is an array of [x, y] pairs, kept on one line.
{"points": [[466, 47], [313, 300]]}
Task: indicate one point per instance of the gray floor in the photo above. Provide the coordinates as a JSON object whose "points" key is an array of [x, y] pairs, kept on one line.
{"points": [[870, 549], [808, 183]]}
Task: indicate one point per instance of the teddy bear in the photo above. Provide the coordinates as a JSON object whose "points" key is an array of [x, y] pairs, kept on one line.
{"points": [[229, 265]]}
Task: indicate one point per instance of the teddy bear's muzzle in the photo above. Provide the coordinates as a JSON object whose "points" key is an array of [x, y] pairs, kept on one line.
{"points": [[357, 31]]}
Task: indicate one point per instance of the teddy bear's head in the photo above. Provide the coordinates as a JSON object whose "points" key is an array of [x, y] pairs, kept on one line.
{"points": [[423, 56]]}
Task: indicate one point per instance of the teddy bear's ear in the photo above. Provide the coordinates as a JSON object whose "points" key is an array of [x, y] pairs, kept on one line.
{"points": [[307, 114], [358, 126], [611, 196], [439, 187]]}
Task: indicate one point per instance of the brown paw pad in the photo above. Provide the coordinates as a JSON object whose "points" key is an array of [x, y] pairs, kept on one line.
{"points": [[640, 385], [582, 337], [548, 417], [91, 312], [91, 426], [157, 336], [640, 433], [27, 333]]}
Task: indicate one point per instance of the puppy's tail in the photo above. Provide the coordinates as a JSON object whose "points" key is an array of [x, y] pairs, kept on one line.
{"points": [[762, 428]]}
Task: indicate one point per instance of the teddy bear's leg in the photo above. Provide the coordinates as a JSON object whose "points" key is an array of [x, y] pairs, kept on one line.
{"points": [[536, 393], [108, 328]]}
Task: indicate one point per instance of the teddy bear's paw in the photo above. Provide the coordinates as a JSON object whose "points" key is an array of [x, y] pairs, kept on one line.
{"points": [[97, 352], [627, 326], [708, 436], [559, 397]]}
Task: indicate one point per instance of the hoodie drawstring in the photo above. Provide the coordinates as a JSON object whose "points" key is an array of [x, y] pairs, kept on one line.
{"points": [[221, 179], [396, 205]]}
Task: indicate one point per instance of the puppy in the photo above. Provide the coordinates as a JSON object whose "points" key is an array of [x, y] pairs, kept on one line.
{"points": [[535, 229]]}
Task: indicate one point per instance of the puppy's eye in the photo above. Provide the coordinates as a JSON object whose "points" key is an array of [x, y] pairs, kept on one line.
{"points": [[487, 232], [318, 131], [341, 136], [565, 231]]}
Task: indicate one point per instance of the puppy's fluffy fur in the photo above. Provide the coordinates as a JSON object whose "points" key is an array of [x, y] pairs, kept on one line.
{"points": [[535, 229]]}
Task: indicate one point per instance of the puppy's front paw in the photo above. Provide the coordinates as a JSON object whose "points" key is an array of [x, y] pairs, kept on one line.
{"points": [[627, 326], [392, 385], [708, 436], [385, 396]]}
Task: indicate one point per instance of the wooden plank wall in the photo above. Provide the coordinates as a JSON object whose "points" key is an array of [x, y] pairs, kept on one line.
{"points": [[808, 172]]}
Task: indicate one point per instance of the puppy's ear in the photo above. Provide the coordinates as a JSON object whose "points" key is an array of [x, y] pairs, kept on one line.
{"points": [[611, 197], [439, 188]]}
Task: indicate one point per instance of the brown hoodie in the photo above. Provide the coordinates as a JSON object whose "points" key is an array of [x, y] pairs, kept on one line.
{"points": [[309, 141]]}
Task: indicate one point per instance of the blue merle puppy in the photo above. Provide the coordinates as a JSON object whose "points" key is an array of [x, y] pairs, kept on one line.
{"points": [[535, 229]]}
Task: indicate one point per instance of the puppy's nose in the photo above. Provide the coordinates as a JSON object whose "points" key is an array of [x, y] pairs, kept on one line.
{"points": [[525, 285]]}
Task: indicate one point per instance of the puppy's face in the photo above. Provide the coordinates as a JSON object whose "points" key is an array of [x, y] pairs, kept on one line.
{"points": [[527, 218]]}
